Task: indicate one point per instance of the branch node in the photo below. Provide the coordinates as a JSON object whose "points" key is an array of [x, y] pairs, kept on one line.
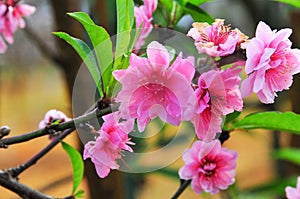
{"points": [[4, 131]]}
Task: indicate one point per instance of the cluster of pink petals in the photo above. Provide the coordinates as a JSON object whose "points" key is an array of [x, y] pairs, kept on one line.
{"points": [[218, 94], [210, 167], [271, 63], [216, 39], [293, 193], [143, 16], [151, 87], [11, 18], [53, 116], [111, 141]]}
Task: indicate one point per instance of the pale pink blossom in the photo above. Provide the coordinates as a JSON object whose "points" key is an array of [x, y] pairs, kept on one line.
{"points": [[53, 116], [151, 87], [111, 141], [217, 95], [210, 167], [143, 16], [271, 63], [11, 18], [293, 193], [216, 39]]}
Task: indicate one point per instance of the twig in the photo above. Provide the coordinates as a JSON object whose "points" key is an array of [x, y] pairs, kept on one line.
{"points": [[25, 192], [238, 55], [182, 187], [15, 172], [59, 127]]}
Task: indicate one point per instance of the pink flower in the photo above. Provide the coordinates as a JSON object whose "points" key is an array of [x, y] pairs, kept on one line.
{"points": [[293, 193], [217, 95], [210, 167], [216, 39], [111, 141], [271, 63], [11, 17], [143, 15], [52, 116], [151, 88]]}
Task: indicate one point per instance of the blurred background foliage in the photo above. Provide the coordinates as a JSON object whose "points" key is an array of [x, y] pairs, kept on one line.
{"points": [[37, 74]]}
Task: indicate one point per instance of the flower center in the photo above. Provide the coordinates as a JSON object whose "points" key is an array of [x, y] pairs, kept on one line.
{"points": [[154, 89], [207, 168]]}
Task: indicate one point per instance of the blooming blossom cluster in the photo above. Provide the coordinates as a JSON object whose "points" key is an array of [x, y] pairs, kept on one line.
{"points": [[111, 140], [210, 167], [156, 85], [270, 64], [216, 39], [11, 18]]}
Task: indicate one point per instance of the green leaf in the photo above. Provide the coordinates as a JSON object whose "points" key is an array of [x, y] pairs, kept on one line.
{"points": [[86, 55], [125, 21], [197, 2], [197, 13], [177, 13], [232, 116], [287, 121], [168, 4], [79, 194], [77, 164], [289, 154], [295, 3], [101, 42]]}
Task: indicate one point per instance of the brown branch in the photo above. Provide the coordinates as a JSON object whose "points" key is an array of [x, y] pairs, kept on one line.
{"points": [[25, 192], [4, 143]]}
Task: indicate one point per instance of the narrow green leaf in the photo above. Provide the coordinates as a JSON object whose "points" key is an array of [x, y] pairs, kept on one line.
{"points": [[125, 21], [289, 154], [101, 42], [168, 4], [79, 194], [197, 13], [77, 164], [197, 2], [295, 3], [86, 55], [287, 121]]}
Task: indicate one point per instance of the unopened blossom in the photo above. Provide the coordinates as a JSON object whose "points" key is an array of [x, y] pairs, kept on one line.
{"points": [[53, 116], [143, 16], [210, 167], [271, 63], [111, 141], [152, 87], [217, 95], [11, 18], [293, 193], [216, 39]]}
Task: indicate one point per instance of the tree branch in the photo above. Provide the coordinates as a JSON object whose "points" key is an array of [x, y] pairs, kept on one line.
{"points": [[4, 143], [238, 55], [10, 183], [15, 172]]}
